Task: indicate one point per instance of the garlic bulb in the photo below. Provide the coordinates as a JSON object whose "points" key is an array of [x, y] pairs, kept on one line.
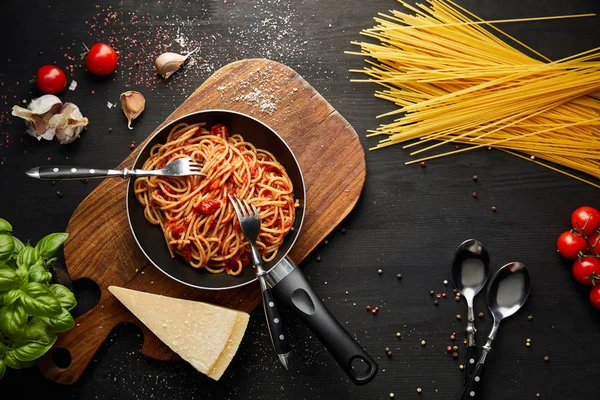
{"points": [[168, 63], [47, 117], [132, 103]]}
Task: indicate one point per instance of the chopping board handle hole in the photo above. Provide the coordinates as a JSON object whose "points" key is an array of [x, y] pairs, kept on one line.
{"points": [[87, 292], [61, 357]]}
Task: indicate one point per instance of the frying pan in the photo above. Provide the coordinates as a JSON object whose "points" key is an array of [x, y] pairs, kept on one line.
{"points": [[287, 282]]}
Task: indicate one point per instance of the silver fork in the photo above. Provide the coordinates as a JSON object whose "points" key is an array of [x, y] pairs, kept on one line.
{"points": [[250, 223], [179, 167]]}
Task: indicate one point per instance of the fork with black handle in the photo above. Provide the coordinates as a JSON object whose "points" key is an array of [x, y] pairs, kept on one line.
{"points": [[250, 223]]}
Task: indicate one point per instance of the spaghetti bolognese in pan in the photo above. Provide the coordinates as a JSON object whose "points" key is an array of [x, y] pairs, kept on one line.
{"points": [[245, 136], [197, 220]]}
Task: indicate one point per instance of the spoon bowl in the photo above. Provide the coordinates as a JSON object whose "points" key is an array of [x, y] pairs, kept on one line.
{"points": [[508, 290], [470, 268]]}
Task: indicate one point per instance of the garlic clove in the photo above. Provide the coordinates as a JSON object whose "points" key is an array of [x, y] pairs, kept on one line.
{"points": [[168, 63], [37, 115], [68, 123], [132, 103]]}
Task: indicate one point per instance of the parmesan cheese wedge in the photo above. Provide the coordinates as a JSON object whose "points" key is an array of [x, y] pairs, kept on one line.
{"points": [[205, 335]]}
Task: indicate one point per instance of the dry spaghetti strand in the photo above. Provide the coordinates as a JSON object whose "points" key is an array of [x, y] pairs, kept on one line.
{"points": [[197, 219], [454, 81]]}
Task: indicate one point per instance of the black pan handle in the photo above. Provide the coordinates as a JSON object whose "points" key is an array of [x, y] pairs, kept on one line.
{"points": [[297, 294], [473, 386], [470, 361]]}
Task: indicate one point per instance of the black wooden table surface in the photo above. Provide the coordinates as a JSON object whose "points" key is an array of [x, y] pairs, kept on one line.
{"points": [[408, 219]]}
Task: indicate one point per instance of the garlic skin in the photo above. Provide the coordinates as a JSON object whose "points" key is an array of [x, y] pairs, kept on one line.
{"points": [[168, 63], [69, 123], [47, 117], [132, 103]]}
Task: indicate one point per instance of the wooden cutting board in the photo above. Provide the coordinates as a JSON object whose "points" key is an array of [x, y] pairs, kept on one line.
{"points": [[101, 246]]}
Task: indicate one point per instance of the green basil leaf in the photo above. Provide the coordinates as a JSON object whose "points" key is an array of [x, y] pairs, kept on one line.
{"points": [[38, 300], [12, 361], [48, 245], [36, 330], [60, 323], [7, 246], [2, 368], [13, 319], [7, 298], [18, 247], [64, 295], [37, 273], [28, 257], [9, 278], [31, 351], [5, 226]]}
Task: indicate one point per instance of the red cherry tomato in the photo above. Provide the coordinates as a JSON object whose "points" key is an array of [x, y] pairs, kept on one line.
{"points": [[594, 242], [50, 79], [101, 59], [569, 244], [587, 270], [595, 297], [586, 219]]}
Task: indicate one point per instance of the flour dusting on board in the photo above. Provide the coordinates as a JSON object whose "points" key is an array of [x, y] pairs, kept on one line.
{"points": [[261, 89]]}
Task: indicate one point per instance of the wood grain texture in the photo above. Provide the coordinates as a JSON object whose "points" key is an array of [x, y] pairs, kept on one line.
{"points": [[101, 247]]}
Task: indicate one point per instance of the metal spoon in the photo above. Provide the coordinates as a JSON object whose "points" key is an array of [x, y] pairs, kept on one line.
{"points": [[506, 294], [469, 272]]}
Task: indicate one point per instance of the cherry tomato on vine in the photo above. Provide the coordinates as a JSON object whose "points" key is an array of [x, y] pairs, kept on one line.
{"points": [[101, 59], [594, 242], [586, 219], [570, 244], [50, 79], [587, 270], [595, 297]]}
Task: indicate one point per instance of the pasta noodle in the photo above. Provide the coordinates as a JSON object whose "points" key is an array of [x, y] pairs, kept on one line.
{"points": [[194, 212], [456, 82]]}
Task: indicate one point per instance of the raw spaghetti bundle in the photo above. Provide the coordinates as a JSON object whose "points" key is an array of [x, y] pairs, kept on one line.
{"points": [[456, 82]]}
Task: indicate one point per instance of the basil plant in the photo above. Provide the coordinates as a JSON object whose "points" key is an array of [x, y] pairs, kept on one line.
{"points": [[32, 309]]}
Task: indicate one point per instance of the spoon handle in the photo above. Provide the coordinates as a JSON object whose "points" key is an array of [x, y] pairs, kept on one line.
{"points": [[473, 386], [470, 361]]}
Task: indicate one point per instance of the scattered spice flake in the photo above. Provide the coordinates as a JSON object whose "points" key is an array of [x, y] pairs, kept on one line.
{"points": [[73, 85]]}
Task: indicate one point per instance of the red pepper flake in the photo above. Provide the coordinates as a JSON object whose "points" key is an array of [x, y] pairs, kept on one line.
{"points": [[449, 349], [132, 146], [444, 295], [475, 178], [439, 296], [368, 308], [85, 180], [374, 311], [475, 195], [423, 164], [59, 194], [343, 231]]}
